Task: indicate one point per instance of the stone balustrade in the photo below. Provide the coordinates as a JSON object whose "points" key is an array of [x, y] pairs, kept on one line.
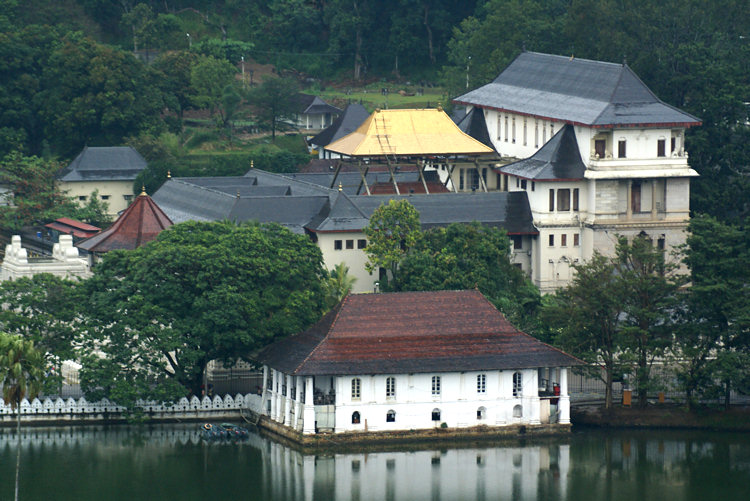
{"points": [[58, 409]]}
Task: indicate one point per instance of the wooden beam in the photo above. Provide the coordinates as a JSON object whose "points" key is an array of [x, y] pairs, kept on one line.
{"points": [[479, 173], [420, 167], [363, 177], [336, 174]]}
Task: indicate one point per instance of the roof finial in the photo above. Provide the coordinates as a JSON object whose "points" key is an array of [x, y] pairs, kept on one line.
{"points": [[252, 164], [238, 193], [169, 174], [341, 187], [143, 191], [624, 60]]}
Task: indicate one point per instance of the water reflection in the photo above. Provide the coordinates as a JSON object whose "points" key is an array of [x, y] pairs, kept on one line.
{"points": [[171, 462]]}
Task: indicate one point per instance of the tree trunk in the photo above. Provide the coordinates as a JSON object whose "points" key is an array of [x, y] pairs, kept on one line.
{"points": [[430, 47], [358, 55], [727, 393], [608, 386], [642, 374], [18, 444]]}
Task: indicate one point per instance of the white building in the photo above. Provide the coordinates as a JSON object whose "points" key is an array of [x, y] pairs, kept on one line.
{"points": [[413, 361], [64, 262], [109, 170], [313, 113], [617, 165]]}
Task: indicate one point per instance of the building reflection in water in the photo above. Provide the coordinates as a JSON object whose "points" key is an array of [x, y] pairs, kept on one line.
{"points": [[516, 473]]}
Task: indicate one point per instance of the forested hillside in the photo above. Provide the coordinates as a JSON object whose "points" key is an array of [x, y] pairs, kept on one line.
{"points": [[68, 76]]}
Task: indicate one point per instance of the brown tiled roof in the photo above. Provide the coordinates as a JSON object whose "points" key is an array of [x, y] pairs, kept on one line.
{"points": [[406, 187], [69, 226], [411, 332], [141, 222]]}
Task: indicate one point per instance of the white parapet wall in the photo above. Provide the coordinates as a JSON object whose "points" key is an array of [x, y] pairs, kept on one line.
{"points": [[80, 410], [65, 261]]}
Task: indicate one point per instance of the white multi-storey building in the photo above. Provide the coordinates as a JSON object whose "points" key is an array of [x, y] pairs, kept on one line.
{"points": [[602, 156]]}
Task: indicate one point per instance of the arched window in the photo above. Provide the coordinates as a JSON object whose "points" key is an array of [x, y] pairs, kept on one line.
{"points": [[356, 388], [481, 413], [517, 411], [436, 414], [517, 384], [390, 417], [355, 417]]}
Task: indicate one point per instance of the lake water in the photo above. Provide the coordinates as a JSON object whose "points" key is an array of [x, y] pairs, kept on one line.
{"points": [[171, 462]]}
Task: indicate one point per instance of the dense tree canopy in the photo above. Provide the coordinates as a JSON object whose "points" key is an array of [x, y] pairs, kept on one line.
{"points": [[200, 292], [44, 309], [711, 349], [470, 256], [393, 230], [459, 256]]}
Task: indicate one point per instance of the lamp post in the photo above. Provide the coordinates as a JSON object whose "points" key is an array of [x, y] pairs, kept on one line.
{"points": [[190, 40]]}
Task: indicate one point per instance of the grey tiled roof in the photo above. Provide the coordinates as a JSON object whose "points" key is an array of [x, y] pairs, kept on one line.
{"points": [[111, 163], [350, 119], [474, 124], [307, 104], [578, 91], [300, 205], [509, 210], [558, 160]]}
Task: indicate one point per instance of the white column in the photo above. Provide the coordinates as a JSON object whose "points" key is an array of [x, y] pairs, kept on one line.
{"points": [[308, 426], [264, 393], [299, 406], [564, 405], [272, 393], [288, 400], [278, 416], [531, 392]]}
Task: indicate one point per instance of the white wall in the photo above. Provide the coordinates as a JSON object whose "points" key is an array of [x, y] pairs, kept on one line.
{"points": [[355, 258], [120, 193], [414, 402]]}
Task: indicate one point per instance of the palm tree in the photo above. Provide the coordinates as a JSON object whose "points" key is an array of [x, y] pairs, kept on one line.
{"points": [[339, 284], [21, 375]]}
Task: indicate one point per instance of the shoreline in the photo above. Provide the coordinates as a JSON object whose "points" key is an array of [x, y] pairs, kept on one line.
{"points": [[655, 416]]}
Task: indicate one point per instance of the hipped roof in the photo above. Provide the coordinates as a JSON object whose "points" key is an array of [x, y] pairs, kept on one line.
{"points": [[107, 163], [577, 91], [411, 332], [404, 133], [139, 224]]}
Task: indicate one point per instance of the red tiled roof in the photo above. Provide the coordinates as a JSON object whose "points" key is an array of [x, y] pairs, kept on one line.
{"points": [[411, 332], [318, 165], [71, 226], [141, 222], [407, 187]]}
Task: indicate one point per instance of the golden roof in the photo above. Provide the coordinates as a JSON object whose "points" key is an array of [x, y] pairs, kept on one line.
{"points": [[408, 133]]}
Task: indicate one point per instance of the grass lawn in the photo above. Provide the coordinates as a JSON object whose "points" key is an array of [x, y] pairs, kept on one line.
{"points": [[372, 96]]}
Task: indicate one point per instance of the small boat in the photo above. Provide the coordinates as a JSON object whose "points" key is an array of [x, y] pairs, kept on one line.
{"points": [[223, 431]]}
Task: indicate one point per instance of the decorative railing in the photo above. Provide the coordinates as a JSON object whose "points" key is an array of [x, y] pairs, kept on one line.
{"points": [[81, 407]]}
